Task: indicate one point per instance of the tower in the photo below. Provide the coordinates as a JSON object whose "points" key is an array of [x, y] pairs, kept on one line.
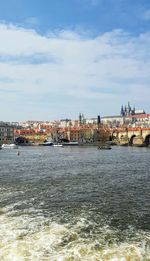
{"points": [[125, 111], [122, 111], [80, 118], [129, 108], [98, 120]]}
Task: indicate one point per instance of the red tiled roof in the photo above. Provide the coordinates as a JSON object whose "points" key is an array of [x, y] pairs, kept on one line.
{"points": [[140, 116]]}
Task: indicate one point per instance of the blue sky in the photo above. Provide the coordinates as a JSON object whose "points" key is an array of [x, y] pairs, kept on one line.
{"points": [[62, 57], [95, 16]]}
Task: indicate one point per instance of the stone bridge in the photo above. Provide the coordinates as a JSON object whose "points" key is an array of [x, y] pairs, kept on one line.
{"points": [[132, 136]]}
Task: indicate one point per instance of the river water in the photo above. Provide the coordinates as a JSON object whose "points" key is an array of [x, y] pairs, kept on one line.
{"points": [[72, 204]]}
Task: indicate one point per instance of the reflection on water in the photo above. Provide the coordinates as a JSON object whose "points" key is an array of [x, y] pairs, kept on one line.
{"points": [[74, 204]]}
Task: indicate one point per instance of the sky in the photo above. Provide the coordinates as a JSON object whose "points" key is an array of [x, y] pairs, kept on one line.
{"points": [[62, 57]]}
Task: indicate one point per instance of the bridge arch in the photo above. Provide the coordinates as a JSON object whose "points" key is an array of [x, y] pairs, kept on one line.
{"points": [[147, 140], [131, 139]]}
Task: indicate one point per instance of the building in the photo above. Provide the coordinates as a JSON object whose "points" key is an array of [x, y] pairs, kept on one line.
{"points": [[65, 123], [140, 120], [113, 121], [6, 133], [91, 121], [128, 110], [29, 136], [129, 116]]}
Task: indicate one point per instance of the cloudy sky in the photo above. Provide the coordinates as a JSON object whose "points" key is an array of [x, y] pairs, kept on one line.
{"points": [[62, 57]]}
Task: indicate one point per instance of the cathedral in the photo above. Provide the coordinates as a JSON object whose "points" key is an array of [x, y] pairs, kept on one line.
{"points": [[127, 110]]}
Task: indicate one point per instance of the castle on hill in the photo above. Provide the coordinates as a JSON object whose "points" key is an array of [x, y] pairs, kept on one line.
{"points": [[128, 110]]}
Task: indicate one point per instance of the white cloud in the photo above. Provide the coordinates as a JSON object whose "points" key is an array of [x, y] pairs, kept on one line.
{"points": [[65, 65]]}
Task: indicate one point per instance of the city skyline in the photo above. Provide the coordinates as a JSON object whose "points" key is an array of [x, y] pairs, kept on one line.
{"points": [[60, 58]]}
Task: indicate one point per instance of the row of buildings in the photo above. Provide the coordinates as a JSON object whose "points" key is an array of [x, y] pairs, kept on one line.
{"points": [[82, 129]]}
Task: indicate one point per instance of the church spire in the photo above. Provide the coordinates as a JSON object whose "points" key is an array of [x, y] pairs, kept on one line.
{"points": [[122, 111]]}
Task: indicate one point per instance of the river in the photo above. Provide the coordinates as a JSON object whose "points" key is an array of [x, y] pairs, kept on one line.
{"points": [[73, 203]]}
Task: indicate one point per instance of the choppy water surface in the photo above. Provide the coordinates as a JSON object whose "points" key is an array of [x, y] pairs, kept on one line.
{"points": [[70, 204]]}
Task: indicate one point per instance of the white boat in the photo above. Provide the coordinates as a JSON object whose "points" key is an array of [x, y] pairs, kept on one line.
{"points": [[70, 143], [46, 143], [9, 146], [57, 145]]}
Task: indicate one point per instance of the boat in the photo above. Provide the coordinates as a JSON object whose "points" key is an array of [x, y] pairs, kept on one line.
{"points": [[104, 147], [57, 145], [70, 143], [9, 146], [46, 143]]}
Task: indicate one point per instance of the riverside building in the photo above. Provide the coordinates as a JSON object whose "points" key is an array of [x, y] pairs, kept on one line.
{"points": [[6, 133]]}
